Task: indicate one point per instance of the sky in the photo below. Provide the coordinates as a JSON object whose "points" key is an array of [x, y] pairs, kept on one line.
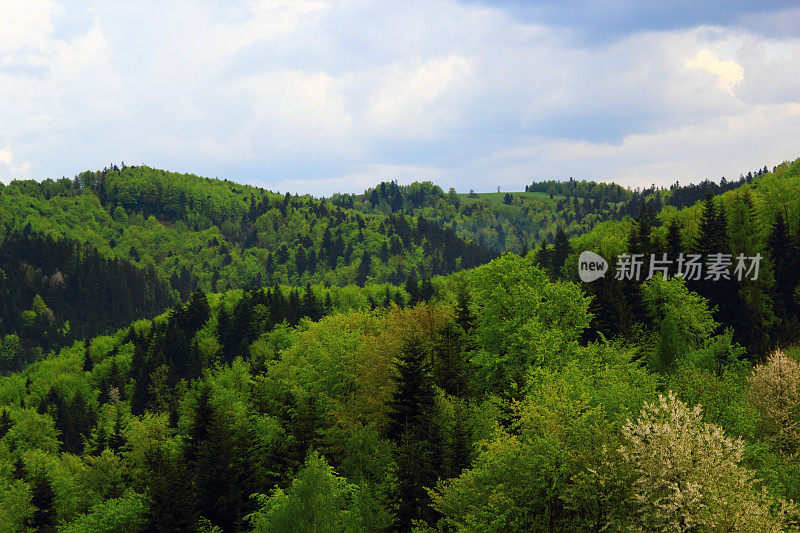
{"points": [[321, 97]]}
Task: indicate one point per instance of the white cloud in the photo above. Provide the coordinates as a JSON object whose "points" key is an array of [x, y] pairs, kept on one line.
{"points": [[724, 146], [326, 96], [10, 170], [25, 27], [730, 73], [293, 110], [417, 100], [6, 156]]}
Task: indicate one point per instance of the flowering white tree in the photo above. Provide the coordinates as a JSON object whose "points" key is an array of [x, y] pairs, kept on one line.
{"points": [[688, 477], [775, 393]]}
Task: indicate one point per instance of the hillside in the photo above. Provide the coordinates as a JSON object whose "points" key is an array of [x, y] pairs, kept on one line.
{"points": [[759, 217], [90, 255], [520, 221], [435, 386]]}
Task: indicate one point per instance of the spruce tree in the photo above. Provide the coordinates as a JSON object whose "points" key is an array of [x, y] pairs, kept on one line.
{"points": [[412, 426], [197, 313], [88, 364], [117, 438], [43, 498], [779, 246], [543, 256], [640, 239], [458, 455], [561, 249], [450, 367], [674, 243], [5, 423], [412, 288], [363, 269], [464, 316], [414, 394], [19, 471], [712, 232], [310, 305]]}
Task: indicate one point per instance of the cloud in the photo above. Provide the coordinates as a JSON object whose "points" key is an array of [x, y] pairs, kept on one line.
{"points": [[8, 169], [326, 96], [25, 29], [721, 146], [416, 100], [729, 72]]}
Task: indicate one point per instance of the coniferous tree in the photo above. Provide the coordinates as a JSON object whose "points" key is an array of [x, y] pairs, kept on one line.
{"points": [[412, 288], [223, 477], [712, 232], [450, 368], [543, 256], [426, 289], [196, 314], [561, 249], [412, 427], [43, 499], [116, 440], [5, 423], [779, 246], [88, 364], [458, 454], [640, 239], [309, 305], [19, 471], [674, 239], [464, 316], [198, 431], [363, 269]]}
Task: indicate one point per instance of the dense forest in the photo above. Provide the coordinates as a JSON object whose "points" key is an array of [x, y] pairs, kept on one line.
{"points": [[189, 354], [517, 222]]}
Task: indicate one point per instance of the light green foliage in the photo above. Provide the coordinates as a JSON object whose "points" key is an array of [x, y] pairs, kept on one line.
{"points": [[15, 504], [216, 233], [523, 319], [32, 431], [609, 239], [523, 475], [542, 471], [126, 514], [317, 500], [10, 349], [682, 318], [540, 440]]}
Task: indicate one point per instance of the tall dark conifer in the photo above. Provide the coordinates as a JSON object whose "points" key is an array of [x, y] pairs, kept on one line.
{"points": [[5, 423], [779, 247], [412, 426], [561, 249], [43, 498], [88, 364], [364, 269]]}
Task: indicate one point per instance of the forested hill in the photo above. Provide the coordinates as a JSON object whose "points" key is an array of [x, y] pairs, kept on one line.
{"points": [[762, 216], [216, 235], [519, 221], [83, 256], [501, 397], [126, 242]]}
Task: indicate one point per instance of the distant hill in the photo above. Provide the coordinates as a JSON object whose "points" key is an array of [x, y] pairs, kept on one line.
{"points": [[123, 243], [760, 214]]}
